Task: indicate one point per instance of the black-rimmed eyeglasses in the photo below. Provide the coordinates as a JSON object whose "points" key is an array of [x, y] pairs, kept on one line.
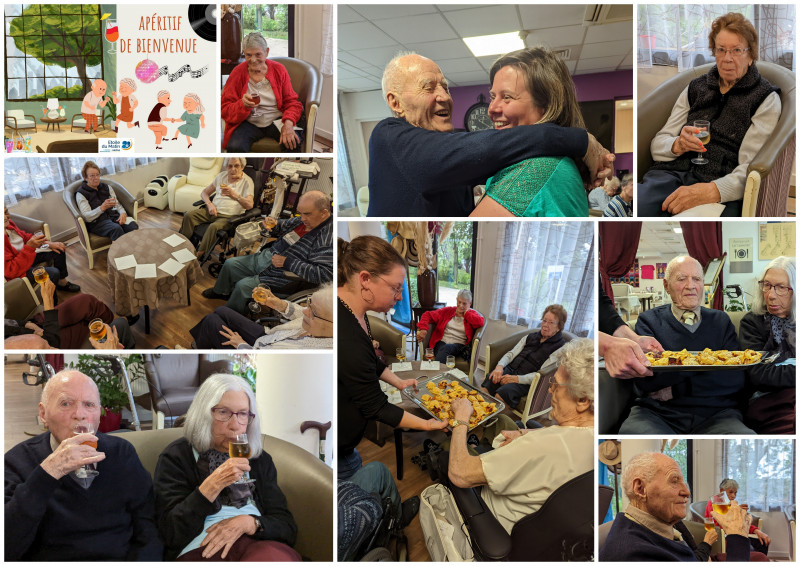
{"points": [[315, 315], [780, 290]]}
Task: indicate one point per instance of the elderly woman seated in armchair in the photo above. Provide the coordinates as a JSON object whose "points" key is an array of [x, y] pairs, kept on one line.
{"points": [[529, 465], [742, 108]]}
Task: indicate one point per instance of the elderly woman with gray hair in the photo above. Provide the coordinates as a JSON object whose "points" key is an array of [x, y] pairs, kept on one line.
{"points": [[257, 93], [770, 326], [203, 510], [528, 465], [454, 329], [759, 544]]}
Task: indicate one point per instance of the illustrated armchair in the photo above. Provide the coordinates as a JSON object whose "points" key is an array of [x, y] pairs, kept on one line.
{"points": [[93, 243], [307, 83], [173, 382], [467, 367], [306, 482], [769, 173], [79, 122], [537, 401], [17, 120], [184, 190]]}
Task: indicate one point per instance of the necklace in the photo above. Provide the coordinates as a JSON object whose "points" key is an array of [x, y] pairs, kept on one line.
{"points": [[366, 320]]}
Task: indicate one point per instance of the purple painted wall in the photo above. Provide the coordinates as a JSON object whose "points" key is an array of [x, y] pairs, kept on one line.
{"points": [[595, 86]]}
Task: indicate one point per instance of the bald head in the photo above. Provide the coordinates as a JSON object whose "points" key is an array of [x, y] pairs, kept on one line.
{"points": [[415, 89], [69, 398], [314, 208], [683, 281]]}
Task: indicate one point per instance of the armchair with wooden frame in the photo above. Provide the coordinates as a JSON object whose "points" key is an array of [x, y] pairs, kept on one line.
{"points": [[537, 402], [30, 225], [467, 367]]}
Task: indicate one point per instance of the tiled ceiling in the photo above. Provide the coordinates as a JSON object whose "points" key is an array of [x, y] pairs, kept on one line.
{"points": [[658, 239], [370, 35]]}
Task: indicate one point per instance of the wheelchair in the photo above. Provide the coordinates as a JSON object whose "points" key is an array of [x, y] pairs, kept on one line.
{"points": [[372, 527]]}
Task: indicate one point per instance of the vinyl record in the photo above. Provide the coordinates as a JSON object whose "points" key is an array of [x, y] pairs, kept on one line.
{"points": [[202, 20]]}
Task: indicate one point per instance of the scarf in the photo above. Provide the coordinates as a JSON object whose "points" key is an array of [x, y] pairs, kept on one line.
{"points": [[235, 495]]}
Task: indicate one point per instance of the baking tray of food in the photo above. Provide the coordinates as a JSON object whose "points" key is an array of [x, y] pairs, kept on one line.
{"points": [[703, 360], [434, 395]]}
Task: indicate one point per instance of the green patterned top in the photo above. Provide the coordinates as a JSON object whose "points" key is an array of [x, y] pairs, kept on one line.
{"points": [[542, 186]]}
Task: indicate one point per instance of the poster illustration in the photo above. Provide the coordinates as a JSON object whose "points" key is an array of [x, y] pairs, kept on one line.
{"points": [[661, 270], [632, 277]]}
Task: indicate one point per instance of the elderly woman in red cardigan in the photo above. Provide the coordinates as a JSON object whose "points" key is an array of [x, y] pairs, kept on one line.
{"points": [[455, 327], [257, 93]]}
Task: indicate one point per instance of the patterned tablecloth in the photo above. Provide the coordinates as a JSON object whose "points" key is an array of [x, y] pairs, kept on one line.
{"points": [[148, 246]]}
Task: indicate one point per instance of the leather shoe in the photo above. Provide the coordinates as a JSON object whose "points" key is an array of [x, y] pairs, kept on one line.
{"points": [[210, 293], [69, 287], [408, 510]]}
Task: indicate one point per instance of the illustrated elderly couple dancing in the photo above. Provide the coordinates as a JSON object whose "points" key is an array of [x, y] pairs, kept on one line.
{"points": [[538, 161]]}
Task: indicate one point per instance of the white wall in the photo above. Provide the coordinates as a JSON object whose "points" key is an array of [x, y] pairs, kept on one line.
{"points": [[309, 22], [292, 388], [354, 108]]}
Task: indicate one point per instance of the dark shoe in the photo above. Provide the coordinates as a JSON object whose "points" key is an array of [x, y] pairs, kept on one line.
{"points": [[188, 146], [428, 445], [408, 510], [210, 293], [473, 440], [69, 287], [132, 319]]}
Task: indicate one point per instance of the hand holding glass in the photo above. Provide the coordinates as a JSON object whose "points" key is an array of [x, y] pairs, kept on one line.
{"points": [[721, 503], [40, 275], [260, 295], [40, 234], [240, 448], [704, 135], [82, 428], [97, 330]]}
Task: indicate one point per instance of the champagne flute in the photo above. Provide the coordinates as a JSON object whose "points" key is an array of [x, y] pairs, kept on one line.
{"points": [[240, 448], [400, 354], [451, 362], [86, 427], [704, 135]]}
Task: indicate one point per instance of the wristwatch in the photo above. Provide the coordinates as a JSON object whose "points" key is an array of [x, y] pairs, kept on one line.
{"points": [[457, 422], [259, 526]]}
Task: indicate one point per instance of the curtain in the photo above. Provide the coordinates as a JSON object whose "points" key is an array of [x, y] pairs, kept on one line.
{"points": [[543, 263], [619, 243], [326, 57], [764, 470], [703, 242], [345, 192], [29, 177], [677, 34]]}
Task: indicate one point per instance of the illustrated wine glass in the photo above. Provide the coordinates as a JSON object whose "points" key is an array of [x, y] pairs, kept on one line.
{"points": [[704, 135], [240, 448], [81, 428], [112, 35]]}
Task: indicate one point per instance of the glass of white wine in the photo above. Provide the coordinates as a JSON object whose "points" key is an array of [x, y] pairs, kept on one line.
{"points": [[400, 354], [451, 362], [704, 135], [240, 448]]}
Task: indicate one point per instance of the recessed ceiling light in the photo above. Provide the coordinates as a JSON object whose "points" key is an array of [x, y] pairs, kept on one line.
{"points": [[678, 230], [500, 43]]}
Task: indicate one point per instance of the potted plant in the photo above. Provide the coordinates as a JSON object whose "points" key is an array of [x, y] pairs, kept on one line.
{"points": [[112, 396]]}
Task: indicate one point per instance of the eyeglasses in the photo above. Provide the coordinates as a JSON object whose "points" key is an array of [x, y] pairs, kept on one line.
{"points": [[549, 322], [736, 51], [315, 315], [224, 415], [780, 290], [396, 290], [552, 381]]}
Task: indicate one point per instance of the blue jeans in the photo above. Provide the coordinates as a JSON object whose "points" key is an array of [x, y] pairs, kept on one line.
{"points": [[246, 134], [239, 276], [442, 350], [111, 229]]}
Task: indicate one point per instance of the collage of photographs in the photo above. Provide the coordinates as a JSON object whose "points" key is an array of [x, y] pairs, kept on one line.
{"points": [[528, 268]]}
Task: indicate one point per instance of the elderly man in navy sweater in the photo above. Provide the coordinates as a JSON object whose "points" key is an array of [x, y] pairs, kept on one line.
{"points": [[419, 167], [686, 402], [55, 508], [658, 496]]}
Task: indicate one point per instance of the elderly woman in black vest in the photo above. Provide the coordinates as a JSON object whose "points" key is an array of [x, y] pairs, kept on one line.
{"points": [[99, 207], [512, 377], [743, 109]]}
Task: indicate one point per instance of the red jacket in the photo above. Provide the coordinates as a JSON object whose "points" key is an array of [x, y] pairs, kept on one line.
{"points": [[18, 262], [233, 110], [472, 321]]}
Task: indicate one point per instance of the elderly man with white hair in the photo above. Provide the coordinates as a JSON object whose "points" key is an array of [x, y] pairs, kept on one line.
{"points": [[455, 326], [658, 496], [56, 509], [257, 93], [419, 166], [233, 192], [681, 401]]}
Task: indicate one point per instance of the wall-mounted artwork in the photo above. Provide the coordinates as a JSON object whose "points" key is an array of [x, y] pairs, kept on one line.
{"points": [[661, 270], [647, 271], [631, 278]]}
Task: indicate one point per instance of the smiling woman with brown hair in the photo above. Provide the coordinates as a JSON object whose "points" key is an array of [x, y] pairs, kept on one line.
{"points": [[533, 86]]}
